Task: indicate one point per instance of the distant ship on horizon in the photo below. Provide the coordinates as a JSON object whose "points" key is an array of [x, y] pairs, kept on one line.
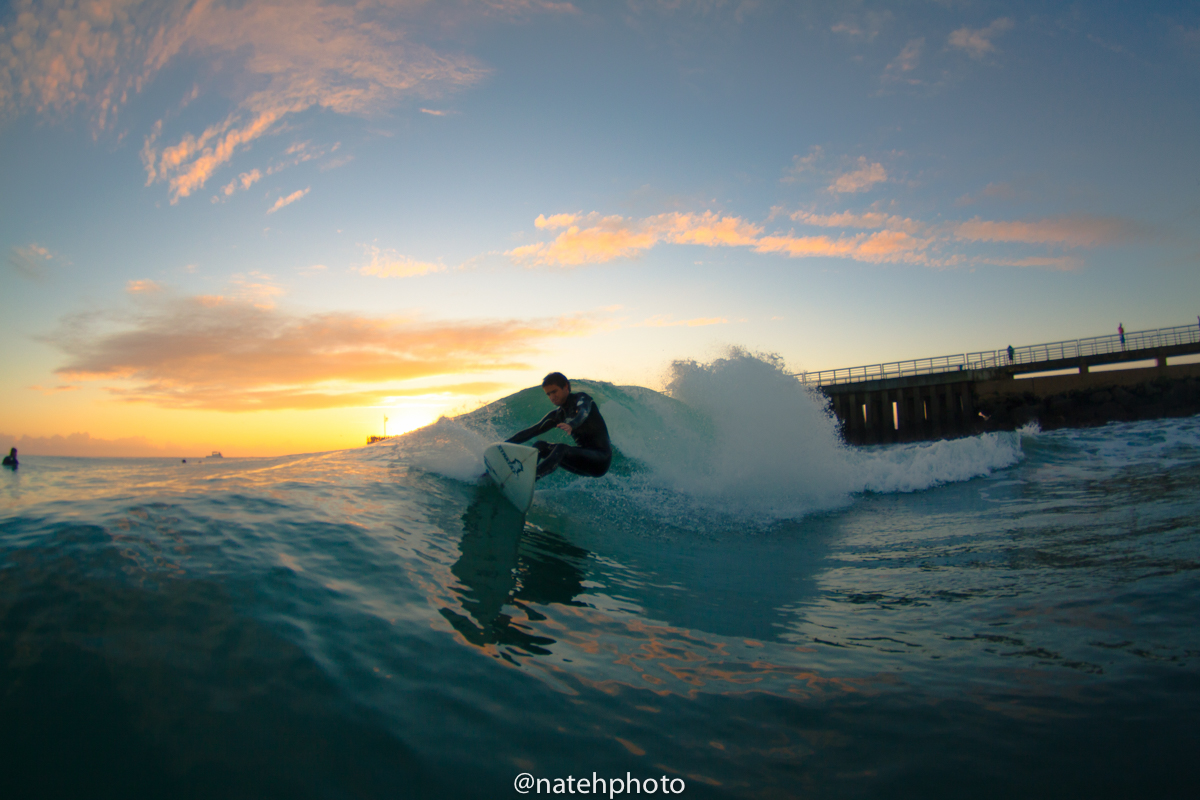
{"points": [[216, 454]]}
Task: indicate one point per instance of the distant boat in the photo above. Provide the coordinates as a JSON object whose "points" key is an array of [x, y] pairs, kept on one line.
{"points": [[216, 454]]}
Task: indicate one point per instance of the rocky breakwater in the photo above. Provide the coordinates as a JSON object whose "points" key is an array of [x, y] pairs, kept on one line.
{"points": [[1090, 399]]}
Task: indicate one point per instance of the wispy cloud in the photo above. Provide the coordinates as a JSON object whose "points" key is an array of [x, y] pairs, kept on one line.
{"points": [[231, 355], [296, 153], [903, 67], [287, 201], [1068, 231], [243, 181], [865, 26], [388, 263], [867, 219], [977, 42], [993, 191], [804, 164], [30, 261], [282, 57], [143, 287], [612, 237], [876, 248], [54, 389], [257, 288], [860, 179], [595, 239], [857, 175], [55, 56]]}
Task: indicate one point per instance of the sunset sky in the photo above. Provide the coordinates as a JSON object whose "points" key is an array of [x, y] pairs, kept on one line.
{"points": [[260, 226]]}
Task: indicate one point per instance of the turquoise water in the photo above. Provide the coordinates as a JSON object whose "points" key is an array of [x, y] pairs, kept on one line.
{"points": [[742, 606]]}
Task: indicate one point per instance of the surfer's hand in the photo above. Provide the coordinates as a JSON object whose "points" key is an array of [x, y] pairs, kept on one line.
{"points": [[565, 428]]}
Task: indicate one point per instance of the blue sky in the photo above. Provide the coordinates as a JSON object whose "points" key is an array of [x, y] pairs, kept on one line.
{"points": [[262, 226]]}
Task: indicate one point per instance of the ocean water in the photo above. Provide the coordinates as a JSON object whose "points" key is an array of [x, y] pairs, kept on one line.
{"points": [[743, 607]]}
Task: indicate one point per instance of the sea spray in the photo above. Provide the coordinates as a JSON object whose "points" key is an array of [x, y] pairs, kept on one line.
{"points": [[446, 448], [775, 447], [914, 467]]}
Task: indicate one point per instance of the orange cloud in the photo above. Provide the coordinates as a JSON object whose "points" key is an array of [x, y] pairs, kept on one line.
{"points": [[283, 57], [869, 220], [308, 53], [899, 69], [390, 264], [30, 261], [1068, 231], [593, 239], [287, 201], [861, 179], [555, 221], [708, 229], [231, 355], [54, 389], [608, 238], [255, 289], [245, 180], [803, 164], [142, 287], [881, 247], [978, 42], [55, 56]]}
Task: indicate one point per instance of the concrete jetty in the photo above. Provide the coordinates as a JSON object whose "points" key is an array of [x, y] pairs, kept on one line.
{"points": [[1072, 383]]}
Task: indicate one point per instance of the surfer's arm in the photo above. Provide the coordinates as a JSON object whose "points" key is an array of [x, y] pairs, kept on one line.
{"points": [[583, 409], [523, 436]]}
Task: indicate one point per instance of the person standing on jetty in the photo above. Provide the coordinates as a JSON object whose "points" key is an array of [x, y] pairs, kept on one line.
{"points": [[1121, 333], [576, 414], [10, 460]]}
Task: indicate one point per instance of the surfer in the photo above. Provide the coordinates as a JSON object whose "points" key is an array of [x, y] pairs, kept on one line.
{"points": [[10, 460], [576, 414]]}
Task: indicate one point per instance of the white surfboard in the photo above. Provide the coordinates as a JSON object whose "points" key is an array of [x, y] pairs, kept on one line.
{"points": [[514, 469]]}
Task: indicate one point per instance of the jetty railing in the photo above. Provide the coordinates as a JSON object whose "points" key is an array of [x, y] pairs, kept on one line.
{"points": [[1027, 354]]}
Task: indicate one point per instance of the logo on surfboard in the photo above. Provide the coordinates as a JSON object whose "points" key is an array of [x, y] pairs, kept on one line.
{"points": [[513, 464], [515, 467]]}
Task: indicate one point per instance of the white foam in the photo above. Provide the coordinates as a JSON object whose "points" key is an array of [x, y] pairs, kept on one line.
{"points": [[913, 467], [769, 445]]}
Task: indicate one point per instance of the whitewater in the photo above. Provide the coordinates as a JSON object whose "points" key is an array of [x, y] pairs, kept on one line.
{"points": [[743, 607]]}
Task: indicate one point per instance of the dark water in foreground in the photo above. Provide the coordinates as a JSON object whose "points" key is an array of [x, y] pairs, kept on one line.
{"points": [[362, 624]]}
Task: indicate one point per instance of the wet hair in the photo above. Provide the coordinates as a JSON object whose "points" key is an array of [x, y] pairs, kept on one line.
{"points": [[556, 379]]}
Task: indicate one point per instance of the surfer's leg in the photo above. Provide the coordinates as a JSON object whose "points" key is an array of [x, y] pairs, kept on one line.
{"points": [[586, 461], [549, 457]]}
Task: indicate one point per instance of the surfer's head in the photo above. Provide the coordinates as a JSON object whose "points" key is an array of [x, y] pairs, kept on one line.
{"points": [[557, 387]]}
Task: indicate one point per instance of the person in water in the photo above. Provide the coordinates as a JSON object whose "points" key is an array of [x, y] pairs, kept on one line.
{"points": [[10, 460], [576, 414]]}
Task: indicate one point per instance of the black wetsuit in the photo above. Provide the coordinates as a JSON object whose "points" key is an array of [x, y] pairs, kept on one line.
{"points": [[594, 451], [10, 461]]}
